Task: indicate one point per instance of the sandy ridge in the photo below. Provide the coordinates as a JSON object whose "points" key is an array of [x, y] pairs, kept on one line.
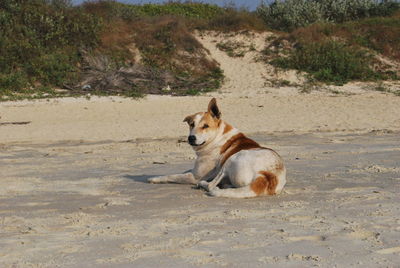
{"points": [[111, 118], [245, 99]]}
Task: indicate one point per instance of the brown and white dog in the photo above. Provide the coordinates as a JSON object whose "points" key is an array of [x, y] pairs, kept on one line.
{"points": [[226, 156]]}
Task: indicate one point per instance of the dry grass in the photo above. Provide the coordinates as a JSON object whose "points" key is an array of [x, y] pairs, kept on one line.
{"points": [[381, 34], [116, 41], [150, 55], [233, 21]]}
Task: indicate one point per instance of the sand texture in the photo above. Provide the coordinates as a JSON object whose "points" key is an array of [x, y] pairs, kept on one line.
{"points": [[80, 204]]}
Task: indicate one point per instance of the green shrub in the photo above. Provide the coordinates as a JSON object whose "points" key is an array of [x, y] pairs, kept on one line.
{"points": [[52, 69], [40, 41], [13, 82], [112, 9], [345, 10], [189, 9], [291, 14], [330, 61]]}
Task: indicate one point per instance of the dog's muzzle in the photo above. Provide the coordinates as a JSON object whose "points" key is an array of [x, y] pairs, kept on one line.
{"points": [[192, 140]]}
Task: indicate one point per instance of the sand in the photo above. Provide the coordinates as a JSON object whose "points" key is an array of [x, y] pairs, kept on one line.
{"points": [[80, 204], [117, 119], [73, 172]]}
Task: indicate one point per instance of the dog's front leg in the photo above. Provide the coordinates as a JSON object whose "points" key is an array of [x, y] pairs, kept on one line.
{"points": [[212, 184], [185, 178]]}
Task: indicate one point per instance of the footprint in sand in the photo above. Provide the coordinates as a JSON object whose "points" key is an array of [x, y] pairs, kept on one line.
{"points": [[295, 256], [299, 218], [354, 189], [363, 234], [307, 238], [389, 250]]}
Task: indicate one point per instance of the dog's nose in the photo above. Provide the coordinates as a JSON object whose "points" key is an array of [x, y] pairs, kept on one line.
{"points": [[192, 139]]}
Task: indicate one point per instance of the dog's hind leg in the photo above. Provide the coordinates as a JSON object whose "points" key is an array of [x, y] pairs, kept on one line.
{"points": [[242, 192], [264, 184], [185, 178]]}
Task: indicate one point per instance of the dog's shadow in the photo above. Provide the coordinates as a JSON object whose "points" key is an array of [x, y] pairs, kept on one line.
{"points": [[139, 178]]}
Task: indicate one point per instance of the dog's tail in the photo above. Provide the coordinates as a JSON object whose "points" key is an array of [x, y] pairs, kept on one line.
{"points": [[264, 184]]}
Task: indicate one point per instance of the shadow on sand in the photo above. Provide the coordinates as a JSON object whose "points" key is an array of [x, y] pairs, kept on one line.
{"points": [[139, 178]]}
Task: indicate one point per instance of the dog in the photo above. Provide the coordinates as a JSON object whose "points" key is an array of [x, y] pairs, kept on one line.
{"points": [[226, 157]]}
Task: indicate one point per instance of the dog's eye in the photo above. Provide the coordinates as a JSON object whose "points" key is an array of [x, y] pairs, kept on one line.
{"points": [[205, 126], [192, 125]]}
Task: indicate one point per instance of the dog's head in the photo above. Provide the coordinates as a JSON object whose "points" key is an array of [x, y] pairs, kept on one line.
{"points": [[204, 125]]}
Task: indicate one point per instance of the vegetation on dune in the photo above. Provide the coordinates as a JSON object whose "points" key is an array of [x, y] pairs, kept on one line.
{"points": [[199, 16], [380, 34], [330, 61], [155, 49], [106, 47], [112, 9], [342, 52], [39, 44], [102, 47], [289, 15], [334, 41]]}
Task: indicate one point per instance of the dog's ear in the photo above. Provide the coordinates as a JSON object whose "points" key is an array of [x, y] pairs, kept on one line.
{"points": [[188, 119], [213, 109]]}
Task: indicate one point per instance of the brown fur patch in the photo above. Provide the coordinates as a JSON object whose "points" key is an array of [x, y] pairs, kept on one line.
{"points": [[259, 185], [190, 118], [211, 121], [235, 144], [266, 183], [227, 128]]}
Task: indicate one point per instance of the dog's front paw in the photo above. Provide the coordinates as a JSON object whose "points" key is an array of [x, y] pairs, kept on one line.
{"points": [[214, 192], [154, 180], [203, 184]]}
